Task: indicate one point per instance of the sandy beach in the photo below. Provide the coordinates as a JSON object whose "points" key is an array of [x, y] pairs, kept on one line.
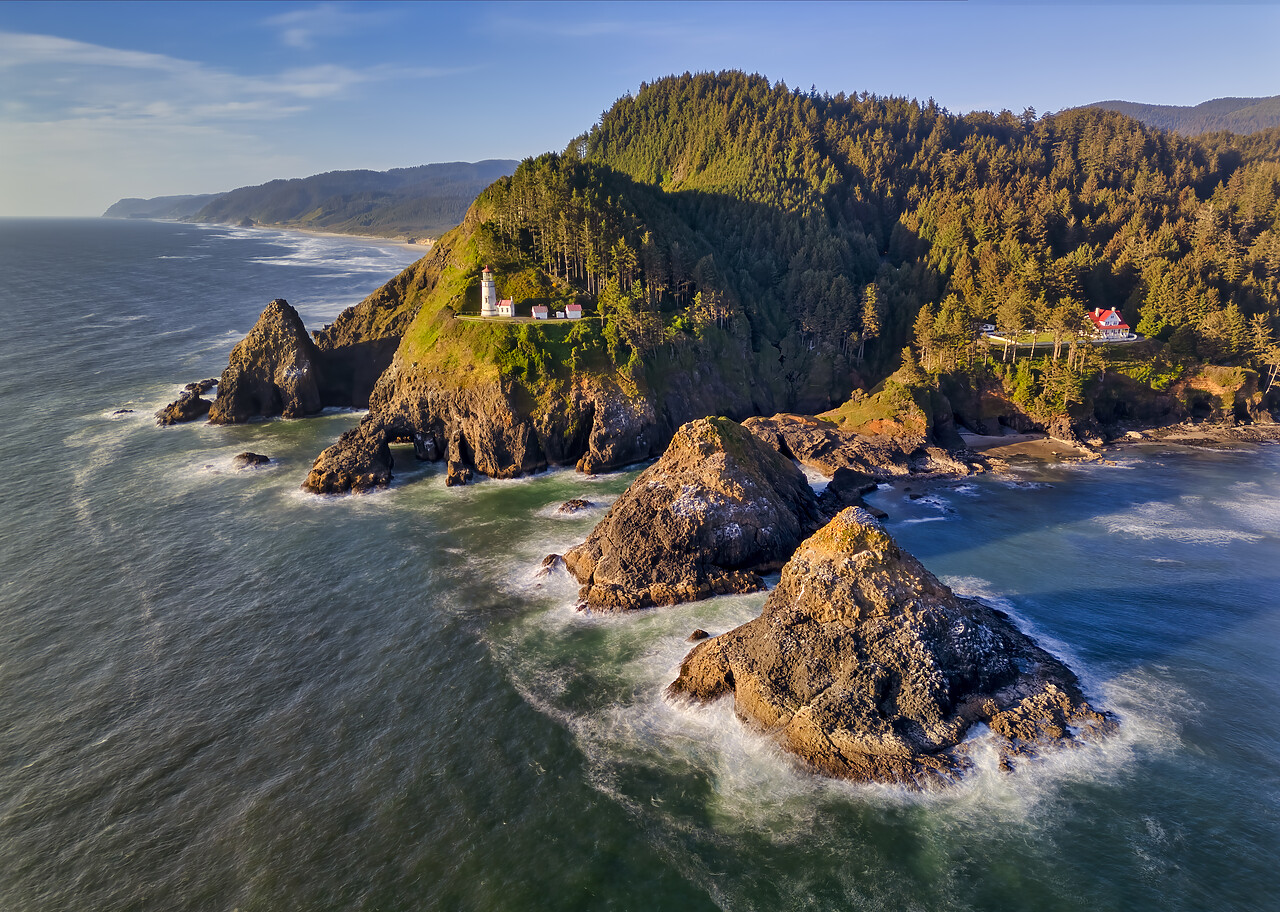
{"points": [[424, 247], [1036, 444]]}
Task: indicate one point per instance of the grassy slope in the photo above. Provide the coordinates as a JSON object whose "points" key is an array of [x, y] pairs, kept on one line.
{"points": [[541, 357]]}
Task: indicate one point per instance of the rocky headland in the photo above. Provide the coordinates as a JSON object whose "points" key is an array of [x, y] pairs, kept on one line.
{"points": [[866, 667], [717, 509]]}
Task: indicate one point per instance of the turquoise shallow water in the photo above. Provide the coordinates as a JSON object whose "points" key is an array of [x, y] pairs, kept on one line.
{"points": [[220, 693]]}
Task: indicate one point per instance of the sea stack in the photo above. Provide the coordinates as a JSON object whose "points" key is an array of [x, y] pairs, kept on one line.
{"points": [[273, 371], [866, 667], [717, 509]]}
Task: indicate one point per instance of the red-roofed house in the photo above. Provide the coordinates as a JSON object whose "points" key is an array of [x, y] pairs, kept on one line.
{"points": [[506, 308], [541, 312], [1108, 324], [574, 311]]}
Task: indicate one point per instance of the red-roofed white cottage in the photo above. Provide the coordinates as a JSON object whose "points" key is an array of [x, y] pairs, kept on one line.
{"points": [[573, 311], [1108, 324]]}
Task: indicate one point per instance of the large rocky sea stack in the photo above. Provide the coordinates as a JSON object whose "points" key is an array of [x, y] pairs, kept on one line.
{"points": [[274, 370], [719, 507], [867, 667]]}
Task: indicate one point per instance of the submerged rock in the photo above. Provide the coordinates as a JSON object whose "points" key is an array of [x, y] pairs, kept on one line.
{"points": [[577, 505], [714, 511], [552, 563], [244, 460], [273, 371], [867, 667]]}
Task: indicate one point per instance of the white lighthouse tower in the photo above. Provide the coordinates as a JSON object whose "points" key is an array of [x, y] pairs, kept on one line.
{"points": [[488, 295]]}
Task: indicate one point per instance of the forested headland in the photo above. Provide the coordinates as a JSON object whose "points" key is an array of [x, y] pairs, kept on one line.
{"points": [[826, 233], [740, 248]]}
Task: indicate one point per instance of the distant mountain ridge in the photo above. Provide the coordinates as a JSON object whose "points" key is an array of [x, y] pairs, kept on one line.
{"points": [[161, 207], [425, 200], [1234, 115]]}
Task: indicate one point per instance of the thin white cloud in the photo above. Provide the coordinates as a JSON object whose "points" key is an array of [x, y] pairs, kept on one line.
{"points": [[46, 78], [303, 28], [78, 119], [18, 49]]}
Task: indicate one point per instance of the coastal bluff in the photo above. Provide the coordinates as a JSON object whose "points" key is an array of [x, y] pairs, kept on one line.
{"points": [[866, 667], [717, 509]]}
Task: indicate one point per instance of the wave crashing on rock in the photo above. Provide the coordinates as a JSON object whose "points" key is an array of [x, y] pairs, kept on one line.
{"points": [[866, 667]]}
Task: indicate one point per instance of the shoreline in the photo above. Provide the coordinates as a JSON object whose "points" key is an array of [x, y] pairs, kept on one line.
{"points": [[1040, 445], [402, 242], [315, 232], [1204, 436]]}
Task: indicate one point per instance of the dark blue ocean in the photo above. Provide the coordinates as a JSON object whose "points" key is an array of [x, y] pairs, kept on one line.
{"points": [[218, 693]]}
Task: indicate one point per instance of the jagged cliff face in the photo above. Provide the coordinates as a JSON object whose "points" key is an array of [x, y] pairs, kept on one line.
{"points": [[589, 421], [358, 346], [867, 667]]}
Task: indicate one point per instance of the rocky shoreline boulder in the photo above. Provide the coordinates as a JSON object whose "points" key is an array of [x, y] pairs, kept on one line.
{"points": [[274, 370], [714, 511], [823, 445], [866, 667], [360, 461], [189, 405]]}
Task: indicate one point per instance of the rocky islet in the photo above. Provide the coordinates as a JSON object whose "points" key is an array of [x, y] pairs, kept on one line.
{"points": [[866, 667], [717, 509]]}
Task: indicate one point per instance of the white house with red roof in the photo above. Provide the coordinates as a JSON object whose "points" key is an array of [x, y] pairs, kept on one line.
{"points": [[1108, 324], [573, 311], [541, 311]]}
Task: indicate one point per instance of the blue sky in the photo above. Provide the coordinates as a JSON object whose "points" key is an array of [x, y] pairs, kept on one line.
{"points": [[100, 101]]}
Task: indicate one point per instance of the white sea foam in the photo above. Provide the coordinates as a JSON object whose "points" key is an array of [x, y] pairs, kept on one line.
{"points": [[754, 785], [1253, 509], [816, 479], [936, 501], [1024, 485], [1180, 522], [600, 504]]}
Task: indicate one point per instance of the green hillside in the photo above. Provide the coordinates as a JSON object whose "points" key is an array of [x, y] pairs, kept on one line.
{"points": [[745, 248], [427, 200], [1221, 115]]}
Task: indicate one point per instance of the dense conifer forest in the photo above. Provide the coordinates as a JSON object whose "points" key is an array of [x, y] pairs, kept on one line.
{"points": [[826, 233]]}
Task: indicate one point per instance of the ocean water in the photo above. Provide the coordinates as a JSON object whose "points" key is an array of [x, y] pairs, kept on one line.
{"points": [[219, 693]]}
